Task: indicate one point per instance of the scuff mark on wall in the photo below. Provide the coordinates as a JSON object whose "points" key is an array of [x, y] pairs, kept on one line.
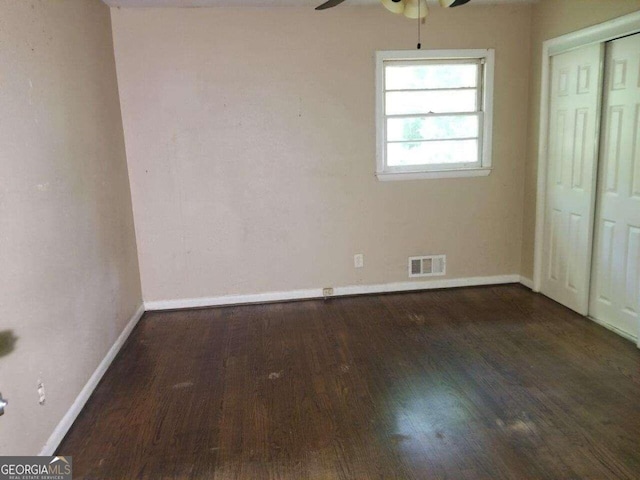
{"points": [[7, 342]]}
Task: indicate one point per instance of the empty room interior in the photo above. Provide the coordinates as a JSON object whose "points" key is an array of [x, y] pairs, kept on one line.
{"points": [[288, 239]]}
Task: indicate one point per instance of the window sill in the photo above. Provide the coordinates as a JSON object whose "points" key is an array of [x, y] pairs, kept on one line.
{"points": [[458, 173]]}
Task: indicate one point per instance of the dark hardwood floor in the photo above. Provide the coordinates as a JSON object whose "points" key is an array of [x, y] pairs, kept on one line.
{"points": [[474, 383]]}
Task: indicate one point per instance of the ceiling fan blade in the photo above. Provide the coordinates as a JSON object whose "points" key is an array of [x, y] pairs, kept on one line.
{"points": [[453, 3], [329, 4]]}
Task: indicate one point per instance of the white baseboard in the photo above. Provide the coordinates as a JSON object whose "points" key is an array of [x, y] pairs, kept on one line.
{"points": [[527, 282], [65, 424], [337, 292]]}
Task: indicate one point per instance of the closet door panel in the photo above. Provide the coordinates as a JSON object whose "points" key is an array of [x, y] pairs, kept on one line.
{"points": [[615, 290], [576, 87]]}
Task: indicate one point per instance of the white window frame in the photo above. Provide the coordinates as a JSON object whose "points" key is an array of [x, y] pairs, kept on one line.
{"points": [[483, 167]]}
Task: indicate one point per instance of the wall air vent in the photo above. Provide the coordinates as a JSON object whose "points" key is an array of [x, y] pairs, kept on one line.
{"points": [[428, 266]]}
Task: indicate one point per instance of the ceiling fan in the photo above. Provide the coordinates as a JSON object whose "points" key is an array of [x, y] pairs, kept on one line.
{"points": [[410, 8]]}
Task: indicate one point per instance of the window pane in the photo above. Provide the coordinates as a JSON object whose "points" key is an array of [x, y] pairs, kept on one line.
{"points": [[444, 101], [432, 128], [432, 153], [409, 77]]}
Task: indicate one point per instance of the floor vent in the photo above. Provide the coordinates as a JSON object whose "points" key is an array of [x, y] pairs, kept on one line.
{"points": [[428, 266]]}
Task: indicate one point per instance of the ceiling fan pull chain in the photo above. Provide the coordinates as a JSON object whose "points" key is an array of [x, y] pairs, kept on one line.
{"points": [[419, 42]]}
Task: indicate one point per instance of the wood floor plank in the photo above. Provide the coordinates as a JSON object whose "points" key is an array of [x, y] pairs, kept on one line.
{"points": [[473, 383]]}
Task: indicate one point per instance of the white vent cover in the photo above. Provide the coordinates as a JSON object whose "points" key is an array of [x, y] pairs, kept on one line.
{"points": [[429, 266]]}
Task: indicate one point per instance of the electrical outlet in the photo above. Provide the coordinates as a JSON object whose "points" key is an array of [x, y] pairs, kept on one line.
{"points": [[358, 260], [41, 395], [327, 292]]}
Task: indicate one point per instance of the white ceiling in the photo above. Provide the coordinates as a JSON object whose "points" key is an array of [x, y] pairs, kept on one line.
{"points": [[259, 3]]}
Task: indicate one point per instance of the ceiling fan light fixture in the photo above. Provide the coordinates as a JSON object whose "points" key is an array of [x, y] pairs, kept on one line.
{"points": [[396, 6], [415, 8]]}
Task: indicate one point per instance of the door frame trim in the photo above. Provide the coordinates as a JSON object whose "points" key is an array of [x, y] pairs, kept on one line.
{"points": [[603, 32]]}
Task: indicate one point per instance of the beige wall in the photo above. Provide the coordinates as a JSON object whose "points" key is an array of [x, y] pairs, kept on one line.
{"points": [[251, 146], [69, 277], [550, 19]]}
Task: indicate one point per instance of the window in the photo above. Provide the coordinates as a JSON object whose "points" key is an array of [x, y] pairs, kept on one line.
{"points": [[433, 113]]}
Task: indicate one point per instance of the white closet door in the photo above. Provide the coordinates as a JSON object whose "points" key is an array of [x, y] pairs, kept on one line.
{"points": [[576, 88], [615, 297]]}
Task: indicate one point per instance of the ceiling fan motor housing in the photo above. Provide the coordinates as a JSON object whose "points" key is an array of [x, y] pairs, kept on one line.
{"points": [[394, 6], [410, 8]]}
